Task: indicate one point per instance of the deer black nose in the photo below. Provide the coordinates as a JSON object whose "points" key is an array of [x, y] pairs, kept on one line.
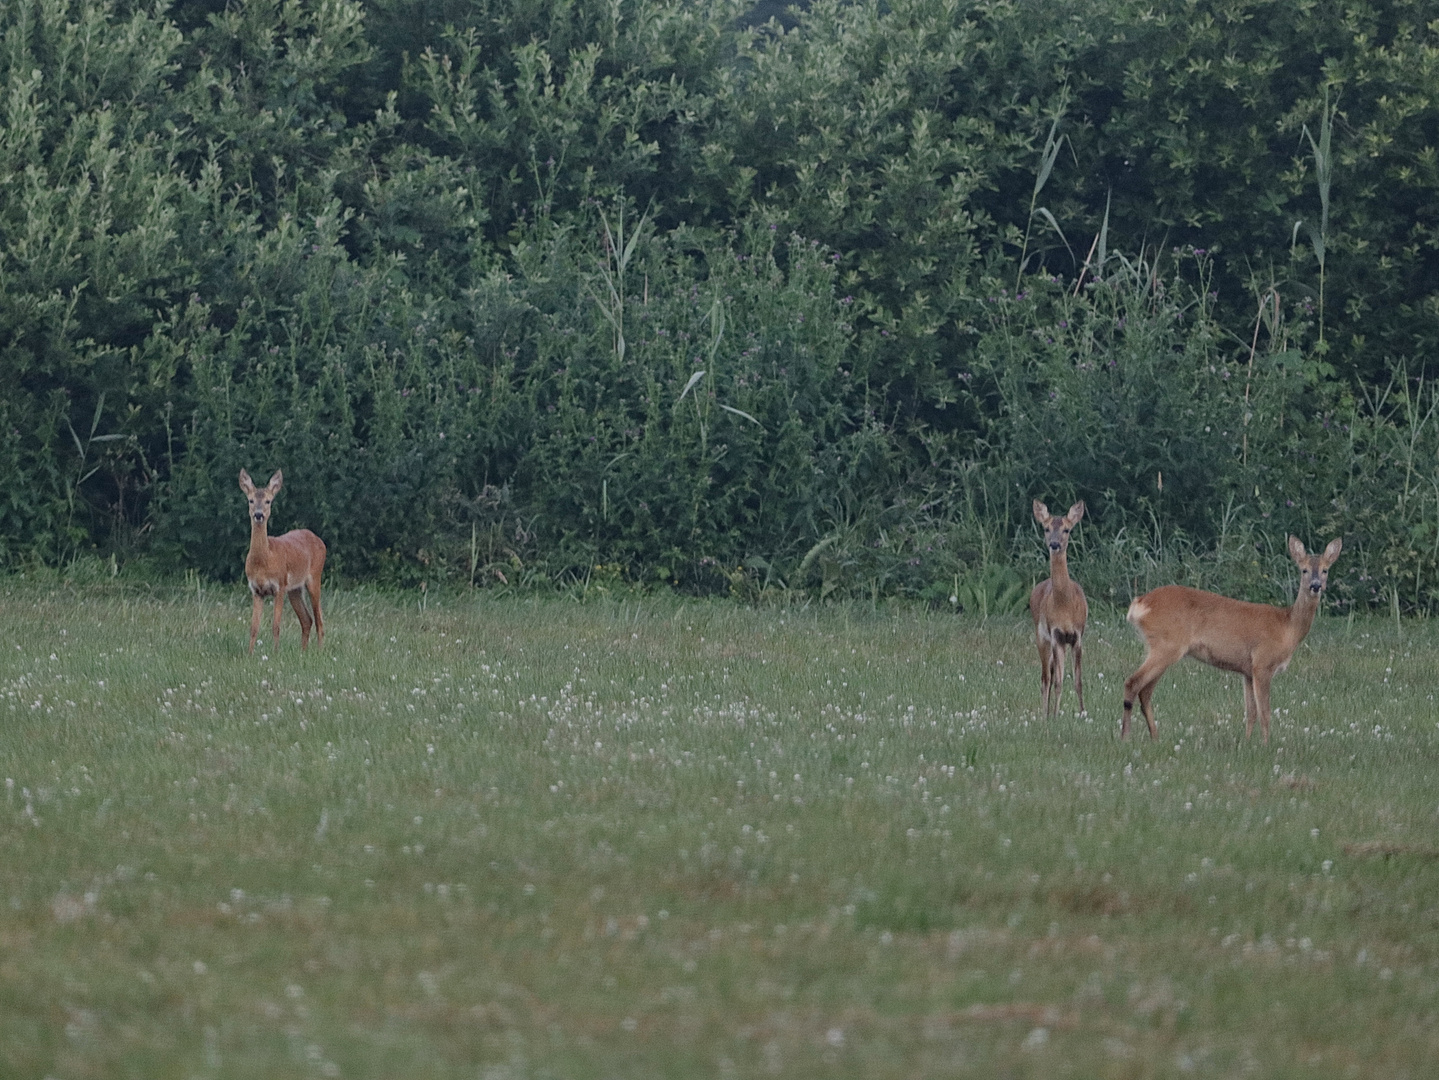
{"points": [[1054, 545], [259, 515]]}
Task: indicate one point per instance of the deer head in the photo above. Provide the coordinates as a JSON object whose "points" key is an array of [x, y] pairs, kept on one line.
{"points": [[1313, 569], [1056, 528], [261, 498]]}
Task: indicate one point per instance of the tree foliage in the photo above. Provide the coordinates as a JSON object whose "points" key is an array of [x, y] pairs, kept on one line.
{"points": [[458, 267]]}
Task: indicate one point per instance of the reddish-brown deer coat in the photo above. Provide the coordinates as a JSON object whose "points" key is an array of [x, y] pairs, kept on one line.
{"points": [[1252, 640], [1059, 610], [281, 566]]}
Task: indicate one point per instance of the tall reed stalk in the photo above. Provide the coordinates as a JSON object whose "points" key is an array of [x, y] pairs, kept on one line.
{"points": [[1323, 176]]}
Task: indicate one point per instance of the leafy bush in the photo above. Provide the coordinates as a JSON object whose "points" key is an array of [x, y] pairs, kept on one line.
{"points": [[458, 269]]}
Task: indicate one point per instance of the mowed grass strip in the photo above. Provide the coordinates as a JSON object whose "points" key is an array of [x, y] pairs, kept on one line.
{"points": [[649, 837]]}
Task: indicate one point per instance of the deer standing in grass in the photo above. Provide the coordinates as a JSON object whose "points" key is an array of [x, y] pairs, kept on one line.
{"points": [[1254, 640], [281, 566], [1059, 609]]}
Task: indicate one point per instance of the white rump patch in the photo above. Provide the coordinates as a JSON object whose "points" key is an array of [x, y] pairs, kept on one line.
{"points": [[1137, 610]]}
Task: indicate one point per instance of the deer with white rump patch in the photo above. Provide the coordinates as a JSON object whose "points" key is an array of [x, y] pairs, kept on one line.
{"points": [[281, 566], [1252, 640], [1059, 609]]}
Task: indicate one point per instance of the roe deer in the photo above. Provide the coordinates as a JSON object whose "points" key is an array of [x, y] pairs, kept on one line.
{"points": [[1254, 640], [280, 566], [1059, 609]]}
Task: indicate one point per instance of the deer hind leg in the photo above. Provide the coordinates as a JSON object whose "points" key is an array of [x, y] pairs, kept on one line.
{"points": [[313, 587], [1141, 685], [298, 603], [1078, 675], [257, 609], [1146, 702]]}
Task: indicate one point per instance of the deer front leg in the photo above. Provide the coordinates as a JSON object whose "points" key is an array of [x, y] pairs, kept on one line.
{"points": [[256, 610], [1056, 678], [1045, 672], [1251, 713], [279, 610], [1261, 701]]}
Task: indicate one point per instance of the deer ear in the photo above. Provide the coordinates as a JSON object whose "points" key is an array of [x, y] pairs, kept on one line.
{"points": [[246, 484], [1075, 513], [1296, 550], [1330, 553], [276, 482], [1041, 512]]}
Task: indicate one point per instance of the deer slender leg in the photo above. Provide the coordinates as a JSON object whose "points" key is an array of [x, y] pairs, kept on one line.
{"points": [[313, 585], [1045, 665], [1057, 679], [1261, 700], [1146, 702], [298, 603], [1078, 670], [256, 610], [1141, 685], [275, 627]]}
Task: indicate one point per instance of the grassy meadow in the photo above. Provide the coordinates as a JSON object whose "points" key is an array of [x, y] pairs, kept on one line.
{"points": [[514, 838]]}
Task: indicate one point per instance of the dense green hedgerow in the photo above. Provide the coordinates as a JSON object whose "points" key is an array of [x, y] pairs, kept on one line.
{"points": [[457, 269]]}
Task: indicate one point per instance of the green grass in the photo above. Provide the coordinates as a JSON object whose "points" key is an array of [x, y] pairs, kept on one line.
{"points": [[652, 838]]}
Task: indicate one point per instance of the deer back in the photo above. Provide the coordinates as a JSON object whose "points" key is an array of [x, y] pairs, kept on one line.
{"points": [[1216, 629]]}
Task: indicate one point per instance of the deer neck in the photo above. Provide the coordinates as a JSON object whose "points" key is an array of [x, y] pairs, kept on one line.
{"points": [[1059, 568], [259, 542], [1301, 615]]}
